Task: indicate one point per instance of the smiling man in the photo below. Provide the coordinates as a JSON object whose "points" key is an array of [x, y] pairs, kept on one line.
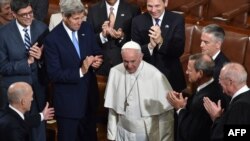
{"points": [[5, 12], [21, 57], [161, 35]]}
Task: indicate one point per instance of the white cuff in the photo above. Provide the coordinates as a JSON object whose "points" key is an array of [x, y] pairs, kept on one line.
{"points": [[103, 39], [81, 74], [42, 117]]}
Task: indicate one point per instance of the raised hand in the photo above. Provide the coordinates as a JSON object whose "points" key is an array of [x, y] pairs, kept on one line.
{"points": [[213, 109]]}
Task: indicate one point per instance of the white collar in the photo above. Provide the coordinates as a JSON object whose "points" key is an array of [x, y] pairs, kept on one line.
{"points": [[20, 27], [204, 84], [18, 112], [240, 91], [69, 31], [215, 55]]}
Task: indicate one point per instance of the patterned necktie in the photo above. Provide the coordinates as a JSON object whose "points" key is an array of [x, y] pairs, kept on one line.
{"points": [[111, 17], [76, 44], [157, 21], [27, 42]]}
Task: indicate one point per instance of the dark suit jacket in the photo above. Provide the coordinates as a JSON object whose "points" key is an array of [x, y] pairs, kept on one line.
{"points": [[219, 61], [112, 49], [14, 128], [40, 8], [13, 60], [166, 59], [71, 93], [238, 113], [194, 122]]}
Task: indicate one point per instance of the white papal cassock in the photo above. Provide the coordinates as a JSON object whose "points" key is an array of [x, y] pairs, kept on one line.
{"points": [[147, 115]]}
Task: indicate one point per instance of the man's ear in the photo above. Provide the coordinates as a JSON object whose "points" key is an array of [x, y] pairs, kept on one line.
{"points": [[22, 102], [200, 73], [166, 3]]}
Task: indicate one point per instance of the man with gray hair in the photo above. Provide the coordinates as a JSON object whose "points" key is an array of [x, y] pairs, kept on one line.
{"points": [[212, 37], [193, 121], [71, 56], [233, 79], [135, 95], [5, 12]]}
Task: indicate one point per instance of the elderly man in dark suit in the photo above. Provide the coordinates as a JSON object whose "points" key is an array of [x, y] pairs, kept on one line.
{"points": [[20, 56], [233, 79], [112, 29], [161, 34], [193, 121], [72, 55], [14, 126]]}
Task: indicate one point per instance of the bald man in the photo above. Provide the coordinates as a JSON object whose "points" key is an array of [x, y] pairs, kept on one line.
{"points": [[233, 80], [14, 126]]}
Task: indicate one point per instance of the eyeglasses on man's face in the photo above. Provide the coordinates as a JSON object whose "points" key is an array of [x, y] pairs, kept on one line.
{"points": [[26, 15]]}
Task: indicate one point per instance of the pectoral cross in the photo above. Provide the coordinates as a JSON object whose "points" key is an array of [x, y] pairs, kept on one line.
{"points": [[125, 105]]}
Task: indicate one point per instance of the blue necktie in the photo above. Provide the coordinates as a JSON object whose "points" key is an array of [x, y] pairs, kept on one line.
{"points": [[157, 21], [27, 42], [76, 44]]}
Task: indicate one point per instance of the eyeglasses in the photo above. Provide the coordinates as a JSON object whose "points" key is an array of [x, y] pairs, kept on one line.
{"points": [[26, 15]]}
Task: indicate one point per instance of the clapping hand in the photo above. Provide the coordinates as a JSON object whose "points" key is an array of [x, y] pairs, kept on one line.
{"points": [[48, 113], [213, 109], [87, 62], [97, 61]]}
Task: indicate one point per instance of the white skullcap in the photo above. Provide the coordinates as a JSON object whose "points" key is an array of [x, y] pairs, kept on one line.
{"points": [[131, 45]]}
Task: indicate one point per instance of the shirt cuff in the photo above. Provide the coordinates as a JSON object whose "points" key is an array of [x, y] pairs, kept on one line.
{"points": [[103, 39], [178, 111], [81, 74], [150, 50], [42, 117]]}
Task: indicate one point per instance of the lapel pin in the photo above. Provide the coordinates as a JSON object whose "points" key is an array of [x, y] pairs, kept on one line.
{"points": [[83, 34], [166, 26], [122, 15]]}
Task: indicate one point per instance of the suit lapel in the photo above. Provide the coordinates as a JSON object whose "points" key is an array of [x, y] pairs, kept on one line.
{"points": [[121, 11], [82, 39], [149, 22], [67, 43], [165, 25], [17, 35], [103, 14]]}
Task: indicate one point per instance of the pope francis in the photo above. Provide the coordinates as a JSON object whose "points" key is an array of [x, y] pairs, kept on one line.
{"points": [[135, 95]]}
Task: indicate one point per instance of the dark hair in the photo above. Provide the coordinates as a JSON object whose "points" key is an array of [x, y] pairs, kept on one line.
{"points": [[203, 62], [16, 5]]}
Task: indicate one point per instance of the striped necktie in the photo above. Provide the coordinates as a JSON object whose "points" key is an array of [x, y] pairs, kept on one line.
{"points": [[27, 42], [157, 21]]}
